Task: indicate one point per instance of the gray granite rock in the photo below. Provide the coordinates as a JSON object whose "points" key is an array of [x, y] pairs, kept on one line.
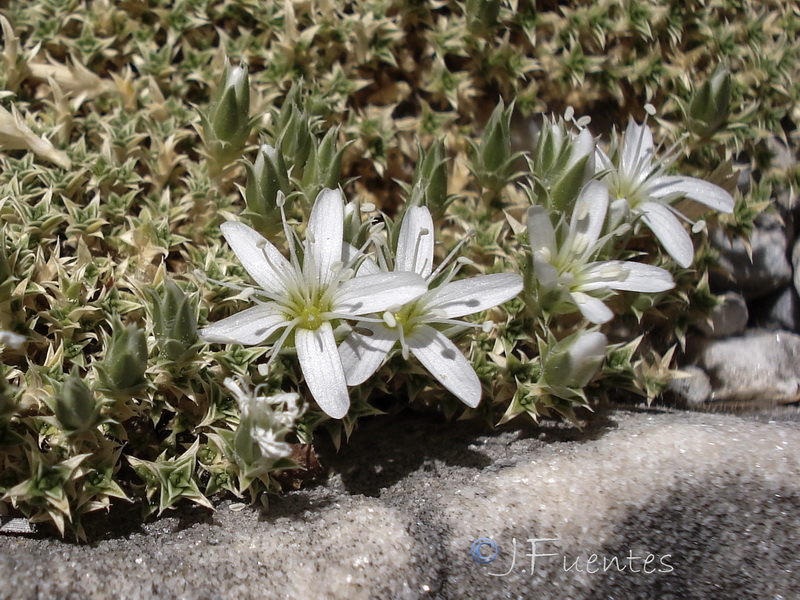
{"points": [[677, 506], [692, 386], [726, 319], [759, 367], [779, 310], [769, 269]]}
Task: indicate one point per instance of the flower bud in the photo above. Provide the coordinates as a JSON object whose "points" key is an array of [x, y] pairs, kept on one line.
{"points": [[323, 168], [294, 137], [492, 161], [709, 107], [226, 125], [265, 180], [430, 177], [562, 163], [174, 323], [122, 370], [573, 361], [75, 406]]}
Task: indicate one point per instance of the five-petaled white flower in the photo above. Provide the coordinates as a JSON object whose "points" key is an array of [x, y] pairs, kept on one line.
{"points": [[416, 325], [304, 299], [640, 180], [564, 273]]}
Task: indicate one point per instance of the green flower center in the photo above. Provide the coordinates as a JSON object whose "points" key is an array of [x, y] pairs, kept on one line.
{"points": [[310, 318]]}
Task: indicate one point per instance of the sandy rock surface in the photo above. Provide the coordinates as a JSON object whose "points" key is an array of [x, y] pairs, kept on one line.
{"points": [[640, 504]]}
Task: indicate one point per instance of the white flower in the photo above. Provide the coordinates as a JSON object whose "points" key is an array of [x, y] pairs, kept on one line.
{"points": [[267, 419], [415, 325], [565, 273], [640, 180], [303, 300]]}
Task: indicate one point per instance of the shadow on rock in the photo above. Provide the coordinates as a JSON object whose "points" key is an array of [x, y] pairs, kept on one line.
{"points": [[722, 537], [386, 449]]}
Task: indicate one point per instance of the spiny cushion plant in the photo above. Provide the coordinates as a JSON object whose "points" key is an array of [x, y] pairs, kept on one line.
{"points": [[229, 226]]}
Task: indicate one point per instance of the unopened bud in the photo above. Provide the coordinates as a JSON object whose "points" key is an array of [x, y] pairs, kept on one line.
{"points": [[323, 167], [430, 178], [491, 161], [573, 361], [122, 370], [74, 406], [174, 323], [562, 163], [267, 182], [226, 124], [710, 105]]}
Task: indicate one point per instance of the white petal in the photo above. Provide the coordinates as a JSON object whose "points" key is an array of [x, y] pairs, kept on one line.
{"points": [[349, 255], [695, 189], [444, 361], [376, 293], [669, 231], [582, 144], [368, 267], [588, 217], [476, 294], [592, 308], [541, 234], [324, 234], [415, 244], [362, 354], [545, 273], [249, 327], [322, 369], [637, 152], [261, 259], [633, 276]]}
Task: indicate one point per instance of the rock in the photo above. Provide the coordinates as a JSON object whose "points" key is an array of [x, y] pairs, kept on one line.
{"points": [[779, 310], [769, 269], [759, 367], [796, 265], [636, 505], [727, 319], [693, 388]]}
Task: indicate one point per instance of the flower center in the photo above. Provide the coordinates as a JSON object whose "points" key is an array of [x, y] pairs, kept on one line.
{"points": [[310, 318]]}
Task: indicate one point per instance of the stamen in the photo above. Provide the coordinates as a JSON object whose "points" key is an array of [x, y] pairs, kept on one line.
{"points": [[287, 232], [242, 289], [670, 155], [331, 315], [579, 244], [403, 345], [389, 319], [456, 323], [422, 232], [447, 260], [460, 262], [263, 370]]}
